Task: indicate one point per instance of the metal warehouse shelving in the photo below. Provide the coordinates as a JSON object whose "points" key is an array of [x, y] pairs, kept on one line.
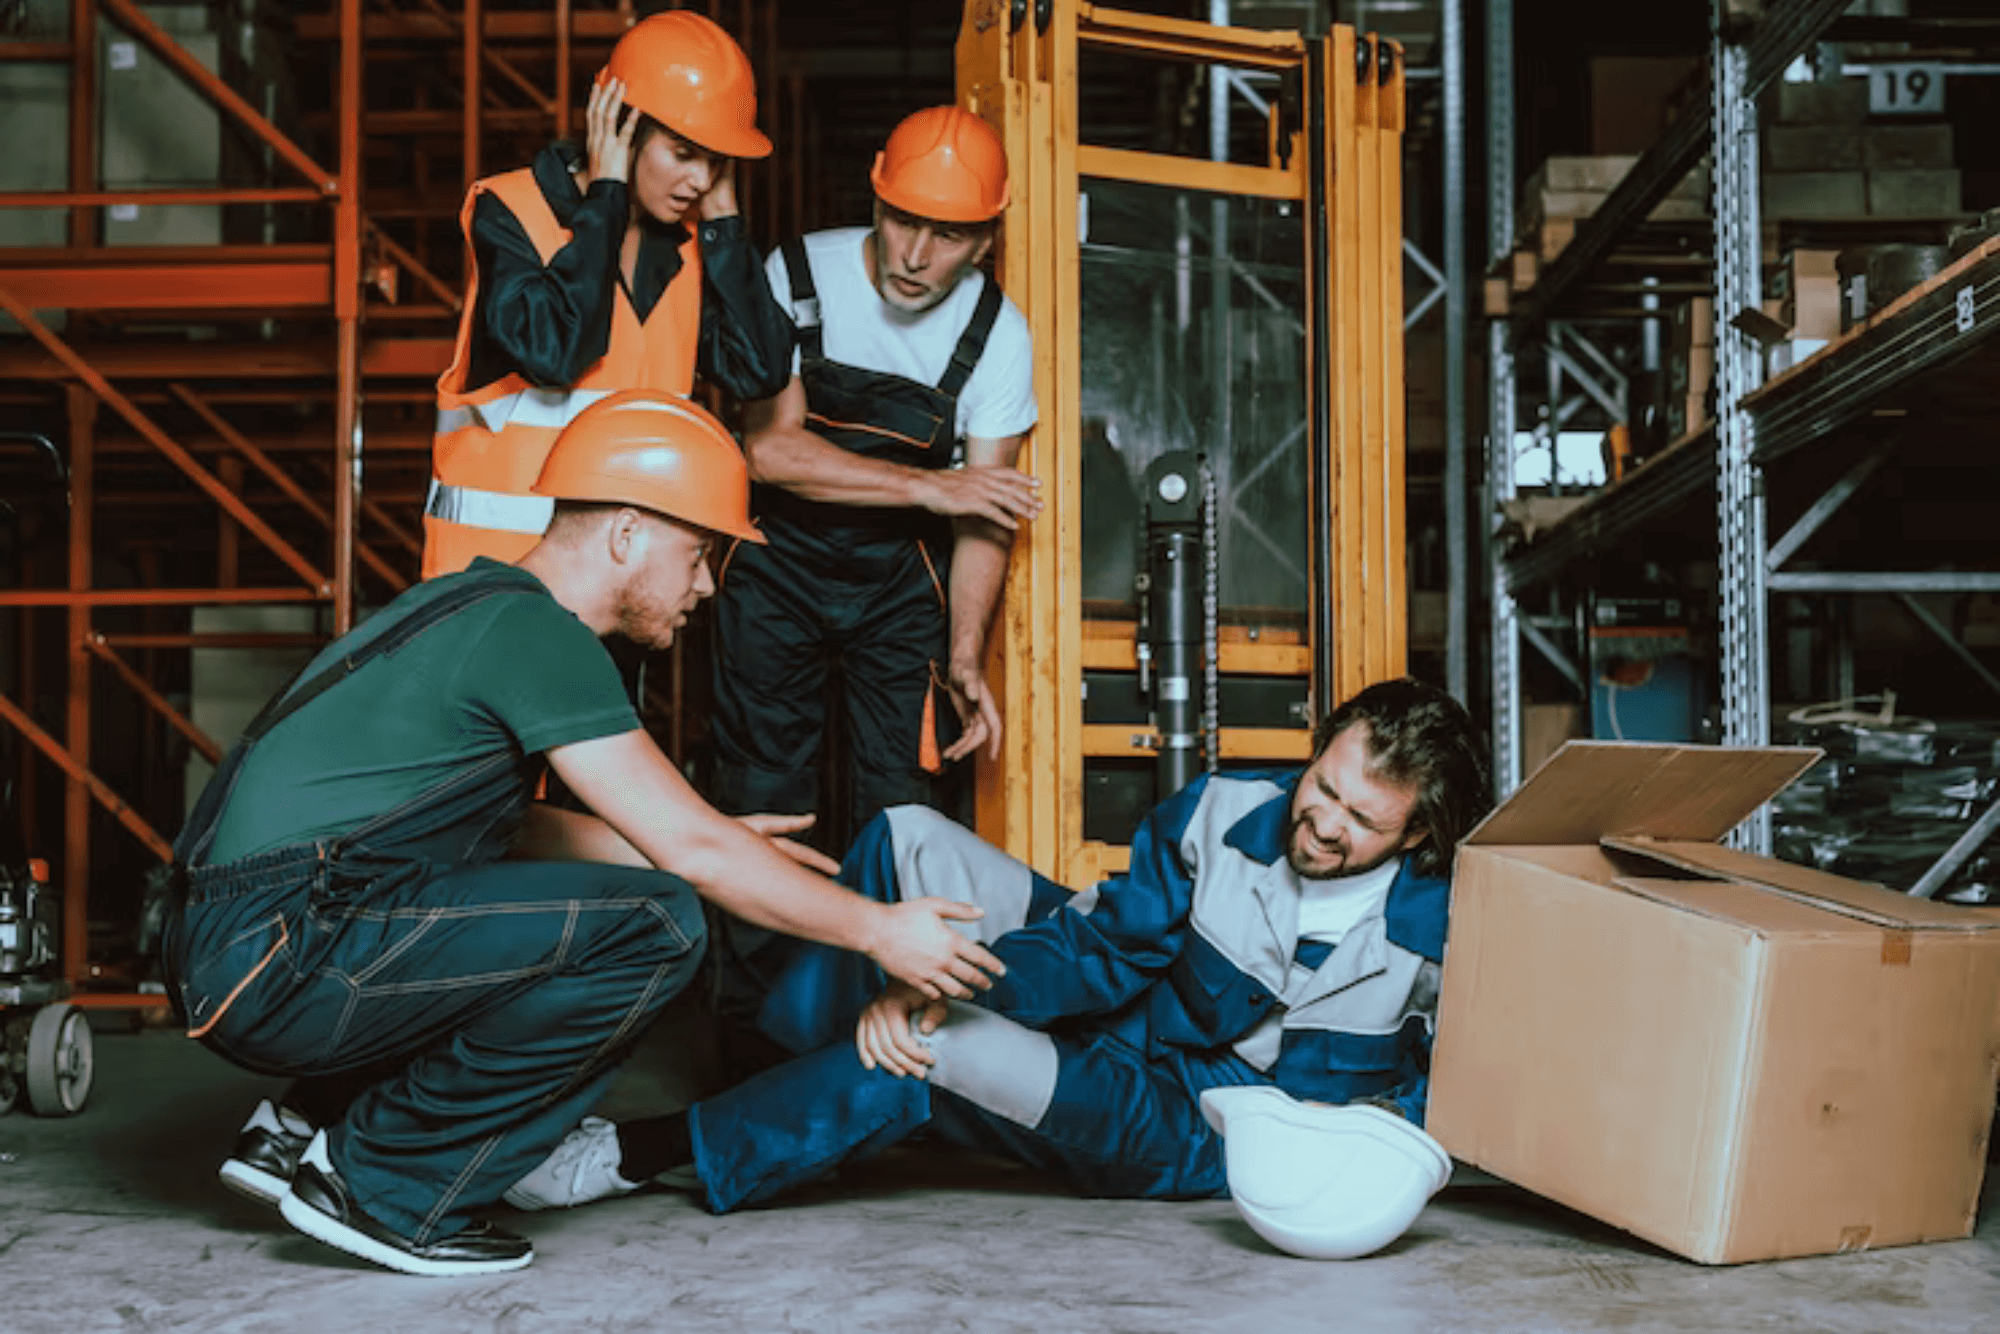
{"points": [[294, 432], [1831, 421]]}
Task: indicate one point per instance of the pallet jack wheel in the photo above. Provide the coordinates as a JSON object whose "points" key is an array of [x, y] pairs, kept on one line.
{"points": [[60, 1066]]}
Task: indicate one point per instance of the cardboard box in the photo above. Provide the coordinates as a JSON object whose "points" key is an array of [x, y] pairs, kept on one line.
{"points": [[1813, 297], [1531, 516], [1601, 175], [1690, 365], [1544, 729], [1837, 102], [1569, 189], [1633, 99], [1522, 270], [1812, 148], [1814, 194], [1913, 194], [1906, 147], [1729, 1056]]}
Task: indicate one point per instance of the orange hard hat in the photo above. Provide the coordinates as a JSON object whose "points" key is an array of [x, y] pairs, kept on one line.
{"points": [[943, 163], [691, 76], [659, 452]]}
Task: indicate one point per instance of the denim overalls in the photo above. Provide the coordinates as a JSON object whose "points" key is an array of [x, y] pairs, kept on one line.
{"points": [[864, 588], [449, 1016]]}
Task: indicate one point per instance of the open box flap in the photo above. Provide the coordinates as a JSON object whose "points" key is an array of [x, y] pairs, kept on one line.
{"points": [[1749, 906], [1850, 898], [1591, 789]]}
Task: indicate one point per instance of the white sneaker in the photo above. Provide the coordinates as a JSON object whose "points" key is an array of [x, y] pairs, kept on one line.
{"points": [[583, 1168]]}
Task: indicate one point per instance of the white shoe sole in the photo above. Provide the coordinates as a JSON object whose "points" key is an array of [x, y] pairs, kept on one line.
{"points": [[682, 1178], [252, 1182], [343, 1238], [530, 1203], [516, 1198]]}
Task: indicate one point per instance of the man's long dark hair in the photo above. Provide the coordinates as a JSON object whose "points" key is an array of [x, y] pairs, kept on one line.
{"points": [[1419, 736]]}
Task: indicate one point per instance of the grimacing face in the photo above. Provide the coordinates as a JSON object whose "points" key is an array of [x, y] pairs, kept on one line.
{"points": [[1346, 817], [670, 578], [671, 174], [916, 262]]}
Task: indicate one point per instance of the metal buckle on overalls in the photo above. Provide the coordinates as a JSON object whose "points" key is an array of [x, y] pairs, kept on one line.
{"points": [[806, 313]]}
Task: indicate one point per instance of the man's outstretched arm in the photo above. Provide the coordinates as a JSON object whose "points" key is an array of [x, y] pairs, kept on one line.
{"points": [[627, 780]]}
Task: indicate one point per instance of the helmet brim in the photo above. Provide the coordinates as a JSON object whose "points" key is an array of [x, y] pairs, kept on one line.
{"points": [[613, 492]]}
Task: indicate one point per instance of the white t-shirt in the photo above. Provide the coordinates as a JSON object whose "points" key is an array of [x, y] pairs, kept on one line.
{"points": [[1329, 909], [859, 328]]}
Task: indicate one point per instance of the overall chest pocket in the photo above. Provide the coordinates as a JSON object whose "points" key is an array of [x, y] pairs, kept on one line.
{"points": [[873, 413]]}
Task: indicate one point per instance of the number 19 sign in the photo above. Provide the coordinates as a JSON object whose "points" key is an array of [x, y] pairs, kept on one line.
{"points": [[1906, 90]]}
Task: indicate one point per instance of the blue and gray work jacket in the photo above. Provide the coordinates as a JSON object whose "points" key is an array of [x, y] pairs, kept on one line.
{"points": [[1190, 956]]}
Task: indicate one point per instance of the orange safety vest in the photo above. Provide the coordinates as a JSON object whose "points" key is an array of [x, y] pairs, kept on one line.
{"points": [[492, 441]]}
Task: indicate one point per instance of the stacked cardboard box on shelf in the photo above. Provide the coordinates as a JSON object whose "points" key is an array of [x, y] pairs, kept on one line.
{"points": [[1808, 286], [1690, 365], [1633, 99], [1804, 296], [1568, 190], [1822, 158]]}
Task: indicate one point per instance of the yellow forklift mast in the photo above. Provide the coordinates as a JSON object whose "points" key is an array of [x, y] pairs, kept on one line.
{"points": [[1218, 359]]}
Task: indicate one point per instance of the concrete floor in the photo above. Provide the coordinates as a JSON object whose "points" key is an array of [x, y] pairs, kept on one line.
{"points": [[113, 1220]]}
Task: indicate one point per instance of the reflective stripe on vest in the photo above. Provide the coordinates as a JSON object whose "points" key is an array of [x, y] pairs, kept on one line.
{"points": [[489, 509], [550, 409], [492, 440]]}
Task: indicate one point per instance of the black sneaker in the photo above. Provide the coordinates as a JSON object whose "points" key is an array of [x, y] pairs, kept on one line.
{"points": [[320, 1205], [266, 1153]]}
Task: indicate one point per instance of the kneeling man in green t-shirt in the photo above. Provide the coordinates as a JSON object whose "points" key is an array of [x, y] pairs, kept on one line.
{"points": [[369, 900]]}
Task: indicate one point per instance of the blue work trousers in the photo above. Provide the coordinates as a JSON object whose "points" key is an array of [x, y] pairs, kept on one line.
{"points": [[1117, 1121]]}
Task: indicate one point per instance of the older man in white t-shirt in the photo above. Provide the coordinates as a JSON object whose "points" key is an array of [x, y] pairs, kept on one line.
{"points": [[888, 490]]}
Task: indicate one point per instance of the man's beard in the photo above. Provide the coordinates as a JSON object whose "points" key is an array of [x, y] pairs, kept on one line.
{"points": [[645, 621], [923, 305], [1314, 873]]}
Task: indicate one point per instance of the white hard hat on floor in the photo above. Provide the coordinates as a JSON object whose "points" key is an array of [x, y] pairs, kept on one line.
{"points": [[1326, 1183]]}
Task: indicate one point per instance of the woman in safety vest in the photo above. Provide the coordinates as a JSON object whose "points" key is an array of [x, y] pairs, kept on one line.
{"points": [[588, 276]]}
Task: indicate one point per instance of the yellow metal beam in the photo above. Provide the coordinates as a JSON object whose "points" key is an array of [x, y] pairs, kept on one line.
{"points": [[1023, 81], [1236, 659], [1288, 745], [1192, 173], [1184, 39], [1394, 610]]}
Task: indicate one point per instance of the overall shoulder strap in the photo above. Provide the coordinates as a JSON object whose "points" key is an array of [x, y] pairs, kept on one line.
{"points": [[203, 820], [805, 299], [296, 696], [972, 342]]}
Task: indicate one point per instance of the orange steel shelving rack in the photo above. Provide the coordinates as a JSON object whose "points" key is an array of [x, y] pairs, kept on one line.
{"points": [[371, 309]]}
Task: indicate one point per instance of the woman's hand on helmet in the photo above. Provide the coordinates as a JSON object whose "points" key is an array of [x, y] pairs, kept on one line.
{"points": [[608, 135], [719, 201]]}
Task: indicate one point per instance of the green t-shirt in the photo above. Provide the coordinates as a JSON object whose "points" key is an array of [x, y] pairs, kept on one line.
{"points": [[493, 685]]}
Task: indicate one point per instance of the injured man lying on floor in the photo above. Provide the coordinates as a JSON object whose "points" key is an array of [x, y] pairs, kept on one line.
{"points": [[1275, 929]]}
